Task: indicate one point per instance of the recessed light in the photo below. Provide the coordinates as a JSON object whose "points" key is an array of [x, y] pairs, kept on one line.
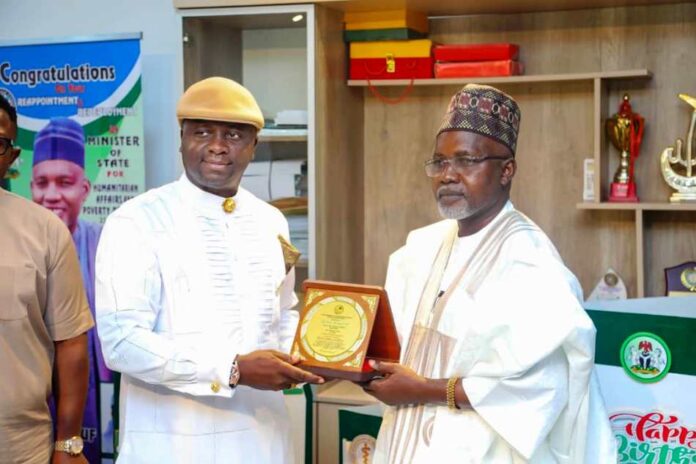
{"points": [[297, 18]]}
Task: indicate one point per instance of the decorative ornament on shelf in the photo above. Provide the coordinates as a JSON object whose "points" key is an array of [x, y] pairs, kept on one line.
{"points": [[609, 287], [684, 182], [625, 130]]}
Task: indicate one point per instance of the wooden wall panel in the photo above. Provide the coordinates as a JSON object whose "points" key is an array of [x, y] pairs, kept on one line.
{"points": [[554, 140], [557, 130], [663, 40], [212, 49], [339, 163], [398, 196]]}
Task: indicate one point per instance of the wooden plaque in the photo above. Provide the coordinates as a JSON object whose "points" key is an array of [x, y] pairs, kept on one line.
{"points": [[341, 327], [681, 280]]}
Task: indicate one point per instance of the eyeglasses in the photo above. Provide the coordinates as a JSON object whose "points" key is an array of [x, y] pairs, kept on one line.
{"points": [[437, 166], [5, 145]]}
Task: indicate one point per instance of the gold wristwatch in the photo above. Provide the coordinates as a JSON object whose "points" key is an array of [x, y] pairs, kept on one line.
{"points": [[73, 445]]}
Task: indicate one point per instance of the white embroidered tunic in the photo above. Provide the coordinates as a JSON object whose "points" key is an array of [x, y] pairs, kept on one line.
{"points": [[514, 330], [182, 288]]}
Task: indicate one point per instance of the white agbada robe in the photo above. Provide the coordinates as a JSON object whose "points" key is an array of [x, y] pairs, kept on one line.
{"points": [[182, 288], [520, 340]]}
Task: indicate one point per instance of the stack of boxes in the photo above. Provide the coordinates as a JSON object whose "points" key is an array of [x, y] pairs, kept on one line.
{"points": [[388, 45], [477, 60]]}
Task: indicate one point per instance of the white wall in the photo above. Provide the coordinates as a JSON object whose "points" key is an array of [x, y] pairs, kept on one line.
{"points": [[275, 68], [161, 58]]}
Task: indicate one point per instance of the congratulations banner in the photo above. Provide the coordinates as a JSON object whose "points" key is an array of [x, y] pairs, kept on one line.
{"points": [[95, 83], [80, 121]]}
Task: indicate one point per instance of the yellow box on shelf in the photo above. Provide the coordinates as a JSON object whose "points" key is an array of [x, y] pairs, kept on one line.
{"points": [[388, 19], [397, 48]]}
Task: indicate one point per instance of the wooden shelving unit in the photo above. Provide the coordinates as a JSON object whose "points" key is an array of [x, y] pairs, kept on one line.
{"points": [[638, 206], [641, 244], [526, 79], [580, 56], [283, 135], [600, 94], [579, 64], [438, 8], [599, 84]]}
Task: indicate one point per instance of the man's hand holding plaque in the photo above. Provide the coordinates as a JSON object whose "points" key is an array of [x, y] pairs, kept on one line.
{"points": [[342, 327], [272, 370]]}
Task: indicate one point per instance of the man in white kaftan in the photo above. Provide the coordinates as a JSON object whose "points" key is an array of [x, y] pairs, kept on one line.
{"points": [[194, 300], [498, 353]]}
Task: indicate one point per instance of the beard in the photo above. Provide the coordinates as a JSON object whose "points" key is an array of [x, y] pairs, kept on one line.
{"points": [[459, 210]]}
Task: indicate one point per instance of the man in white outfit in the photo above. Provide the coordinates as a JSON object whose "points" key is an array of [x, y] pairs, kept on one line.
{"points": [[498, 353], [194, 300]]}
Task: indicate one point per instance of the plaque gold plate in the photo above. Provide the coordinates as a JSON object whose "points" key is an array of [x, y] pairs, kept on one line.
{"points": [[342, 326], [681, 280]]}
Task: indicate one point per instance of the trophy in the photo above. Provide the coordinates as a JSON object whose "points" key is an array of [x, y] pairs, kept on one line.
{"points": [[684, 182], [625, 130]]}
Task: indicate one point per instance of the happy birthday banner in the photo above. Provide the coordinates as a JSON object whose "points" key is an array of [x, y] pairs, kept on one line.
{"points": [[646, 365]]}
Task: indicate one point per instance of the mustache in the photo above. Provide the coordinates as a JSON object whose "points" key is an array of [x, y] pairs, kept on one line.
{"points": [[217, 161], [445, 191]]}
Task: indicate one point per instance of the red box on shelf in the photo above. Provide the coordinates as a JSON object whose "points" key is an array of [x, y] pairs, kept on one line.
{"points": [[476, 52], [478, 69], [400, 68]]}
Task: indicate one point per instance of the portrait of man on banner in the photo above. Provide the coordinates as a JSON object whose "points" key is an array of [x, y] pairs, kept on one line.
{"points": [[59, 183]]}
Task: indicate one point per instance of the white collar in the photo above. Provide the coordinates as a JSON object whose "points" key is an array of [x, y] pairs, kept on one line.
{"points": [[477, 236], [202, 201]]}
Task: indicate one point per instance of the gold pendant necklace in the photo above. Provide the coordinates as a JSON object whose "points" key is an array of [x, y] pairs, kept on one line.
{"points": [[229, 205]]}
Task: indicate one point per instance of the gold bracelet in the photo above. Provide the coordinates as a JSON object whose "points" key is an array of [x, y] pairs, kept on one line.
{"points": [[451, 386]]}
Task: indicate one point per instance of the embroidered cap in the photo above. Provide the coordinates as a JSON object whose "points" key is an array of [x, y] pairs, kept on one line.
{"points": [[219, 99], [60, 139], [484, 110]]}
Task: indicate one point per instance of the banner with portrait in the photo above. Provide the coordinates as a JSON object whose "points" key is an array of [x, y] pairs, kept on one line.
{"points": [[80, 129]]}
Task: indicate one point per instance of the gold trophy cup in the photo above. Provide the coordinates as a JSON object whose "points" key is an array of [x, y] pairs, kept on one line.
{"points": [[684, 182], [625, 130]]}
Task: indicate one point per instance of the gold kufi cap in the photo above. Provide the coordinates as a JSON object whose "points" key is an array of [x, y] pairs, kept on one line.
{"points": [[219, 99]]}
